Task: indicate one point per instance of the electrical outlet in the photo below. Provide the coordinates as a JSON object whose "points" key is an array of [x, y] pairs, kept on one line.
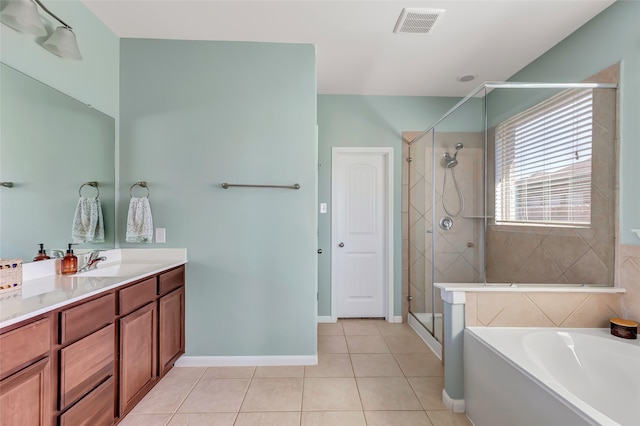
{"points": [[160, 235], [323, 207]]}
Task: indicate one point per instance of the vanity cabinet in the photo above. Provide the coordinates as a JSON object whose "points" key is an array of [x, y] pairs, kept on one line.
{"points": [[25, 373], [90, 362], [138, 355], [170, 318], [86, 359]]}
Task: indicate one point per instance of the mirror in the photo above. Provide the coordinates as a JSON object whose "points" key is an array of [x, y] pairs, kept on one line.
{"points": [[50, 145]]}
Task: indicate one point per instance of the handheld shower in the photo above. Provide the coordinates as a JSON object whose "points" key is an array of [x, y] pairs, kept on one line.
{"points": [[449, 163]]}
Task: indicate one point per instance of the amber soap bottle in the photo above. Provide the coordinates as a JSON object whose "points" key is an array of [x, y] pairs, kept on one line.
{"points": [[42, 254], [69, 263]]}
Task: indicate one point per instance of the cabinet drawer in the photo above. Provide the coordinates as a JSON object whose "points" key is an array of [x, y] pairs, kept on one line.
{"points": [[86, 363], [24, 344], [171, 280], [131, 298], [95, 409], [84, 319]]}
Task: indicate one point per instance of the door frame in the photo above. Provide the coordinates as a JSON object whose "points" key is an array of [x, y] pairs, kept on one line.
{"points": [[387, 154]]}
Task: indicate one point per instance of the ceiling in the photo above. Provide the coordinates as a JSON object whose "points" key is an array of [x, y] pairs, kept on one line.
{"points": [[357, 51]]}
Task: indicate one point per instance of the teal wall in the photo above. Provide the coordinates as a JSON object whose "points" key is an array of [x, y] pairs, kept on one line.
{"points": [[610, 37], [195, 114], [367, 121], [93, 81]]}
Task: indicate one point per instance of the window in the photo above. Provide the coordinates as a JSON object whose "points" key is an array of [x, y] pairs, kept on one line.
{"points": [[543, 163]]}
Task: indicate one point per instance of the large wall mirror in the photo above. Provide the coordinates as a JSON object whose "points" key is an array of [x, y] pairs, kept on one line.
{"points": [[50, 145]]}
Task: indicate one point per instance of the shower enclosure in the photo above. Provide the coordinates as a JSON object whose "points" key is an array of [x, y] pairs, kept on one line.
{"points": [[500, 191]]}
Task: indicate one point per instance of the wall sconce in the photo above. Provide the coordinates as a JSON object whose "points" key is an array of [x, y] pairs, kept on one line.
{"points": [[23, 16]]}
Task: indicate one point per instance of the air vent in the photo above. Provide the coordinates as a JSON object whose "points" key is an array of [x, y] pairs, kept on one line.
{"points": [[417, 20]]}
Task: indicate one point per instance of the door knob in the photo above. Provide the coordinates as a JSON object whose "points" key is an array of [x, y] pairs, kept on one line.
{"points": [[341, 245]]}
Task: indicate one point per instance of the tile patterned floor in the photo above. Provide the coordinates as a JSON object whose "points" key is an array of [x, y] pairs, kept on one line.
{"points": [[369, 373]]}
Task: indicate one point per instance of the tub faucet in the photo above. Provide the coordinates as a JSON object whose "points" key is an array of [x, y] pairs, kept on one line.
{"points": [[92, 261]]}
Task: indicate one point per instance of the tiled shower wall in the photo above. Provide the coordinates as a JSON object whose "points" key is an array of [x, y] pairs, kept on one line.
{"points": [[548, 255], [459, 251]]}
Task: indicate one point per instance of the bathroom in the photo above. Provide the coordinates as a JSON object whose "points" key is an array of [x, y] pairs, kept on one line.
{"points": [[240, 245]]}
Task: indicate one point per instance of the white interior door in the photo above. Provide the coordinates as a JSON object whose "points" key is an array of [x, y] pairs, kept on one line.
{"points": [[360, 233]]}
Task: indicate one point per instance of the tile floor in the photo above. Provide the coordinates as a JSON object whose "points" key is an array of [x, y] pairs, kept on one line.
{"points": [[369, 372]]}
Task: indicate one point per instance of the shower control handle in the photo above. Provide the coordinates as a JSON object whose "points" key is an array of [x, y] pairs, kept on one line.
{"points": [[341, 245]]}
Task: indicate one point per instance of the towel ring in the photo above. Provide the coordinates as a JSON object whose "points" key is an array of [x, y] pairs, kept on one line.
{"points": [[93, 184], [142, 185]]}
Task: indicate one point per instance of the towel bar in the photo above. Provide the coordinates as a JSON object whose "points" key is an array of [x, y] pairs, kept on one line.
{"points": [[7, 184], [93, 184], [141, 184], [294, 186]]}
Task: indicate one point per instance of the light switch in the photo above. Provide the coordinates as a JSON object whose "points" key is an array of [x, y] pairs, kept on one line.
{"points": [[160, 235], [323, 207]]}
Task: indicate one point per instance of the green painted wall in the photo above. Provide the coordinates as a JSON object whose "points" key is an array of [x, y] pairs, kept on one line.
{"points": [[610, 37], [196, 114], [94, 80], [373, 121]]}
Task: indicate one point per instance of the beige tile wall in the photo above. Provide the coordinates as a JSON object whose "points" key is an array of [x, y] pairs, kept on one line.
{"points": [[536, 309], [548, 255], [630, 279]]}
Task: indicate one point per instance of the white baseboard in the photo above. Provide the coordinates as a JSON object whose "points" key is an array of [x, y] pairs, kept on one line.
{"points": [[455, 405], [395, 319], [245, 361], [326, 319]]}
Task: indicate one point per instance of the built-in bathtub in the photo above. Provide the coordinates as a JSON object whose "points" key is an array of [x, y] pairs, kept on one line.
{"points": [[550, 376]]}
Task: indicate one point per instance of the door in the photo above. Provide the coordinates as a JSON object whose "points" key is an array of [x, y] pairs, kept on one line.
{"points": [[360, 232], [171, 328]]}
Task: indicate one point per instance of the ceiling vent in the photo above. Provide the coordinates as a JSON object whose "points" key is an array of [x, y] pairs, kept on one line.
{"points": [[414, 20]]}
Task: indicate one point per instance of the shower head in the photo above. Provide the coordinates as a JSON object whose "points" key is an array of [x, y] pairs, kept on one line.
{"points": [[449, 161]]}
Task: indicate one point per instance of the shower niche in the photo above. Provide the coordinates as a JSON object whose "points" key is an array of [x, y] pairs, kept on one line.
{"points": [[460, 224]]}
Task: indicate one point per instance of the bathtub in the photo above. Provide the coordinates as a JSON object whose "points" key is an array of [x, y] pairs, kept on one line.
{"points": [[550, 376]]}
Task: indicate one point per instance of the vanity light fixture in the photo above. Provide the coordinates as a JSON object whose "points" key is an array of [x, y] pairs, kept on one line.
{"points": [[22, 15]]}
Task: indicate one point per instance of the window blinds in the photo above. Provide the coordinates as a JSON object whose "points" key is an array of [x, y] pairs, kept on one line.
{"points": [[543, 162]]}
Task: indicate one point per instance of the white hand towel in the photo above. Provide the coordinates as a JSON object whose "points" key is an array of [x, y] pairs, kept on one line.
{"points": [[139, 221], [88, 224]]}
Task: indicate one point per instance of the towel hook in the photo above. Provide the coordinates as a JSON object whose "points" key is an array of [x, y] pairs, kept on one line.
{"points": [[141, 184], [93, 184]]}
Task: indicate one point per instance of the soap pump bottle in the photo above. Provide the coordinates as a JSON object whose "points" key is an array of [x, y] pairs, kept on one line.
{"points": [[69, 262], [42, 254]]}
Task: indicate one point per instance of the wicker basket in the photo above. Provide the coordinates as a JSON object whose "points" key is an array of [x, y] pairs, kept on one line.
{"points": [[10, 274]]}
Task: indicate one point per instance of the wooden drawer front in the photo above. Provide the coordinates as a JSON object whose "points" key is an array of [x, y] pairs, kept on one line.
{"points": [[132, 298], [22, 345], [24, 397], [84, 319], [171, 280], [86, 363], [95, 409]]}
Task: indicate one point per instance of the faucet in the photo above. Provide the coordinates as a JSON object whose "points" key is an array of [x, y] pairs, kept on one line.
{"points": [[92, 261], [56, 254]]}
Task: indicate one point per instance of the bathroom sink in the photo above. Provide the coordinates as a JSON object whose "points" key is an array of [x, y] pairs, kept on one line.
{"points": [[119, 270]]}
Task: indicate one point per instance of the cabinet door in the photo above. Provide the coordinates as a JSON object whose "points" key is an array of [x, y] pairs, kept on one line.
{"points": [[171, 328], [138, 354], [24, 396]]}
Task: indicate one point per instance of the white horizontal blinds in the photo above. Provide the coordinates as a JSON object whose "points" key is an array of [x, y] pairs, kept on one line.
{"points": [[543, 162]]}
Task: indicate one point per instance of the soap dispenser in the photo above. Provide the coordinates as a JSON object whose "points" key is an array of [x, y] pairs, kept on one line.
{"points": [[69, 262], [42, 254]]}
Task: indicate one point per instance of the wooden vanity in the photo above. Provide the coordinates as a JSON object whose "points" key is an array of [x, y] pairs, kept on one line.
{"points": [[91, 361]]}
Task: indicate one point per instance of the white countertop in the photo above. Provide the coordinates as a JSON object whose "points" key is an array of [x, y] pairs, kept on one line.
{"points": [[43, 291]]}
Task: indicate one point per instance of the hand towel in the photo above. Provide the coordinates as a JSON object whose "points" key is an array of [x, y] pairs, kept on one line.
{"points": [[139, 221], [88, 224]]}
